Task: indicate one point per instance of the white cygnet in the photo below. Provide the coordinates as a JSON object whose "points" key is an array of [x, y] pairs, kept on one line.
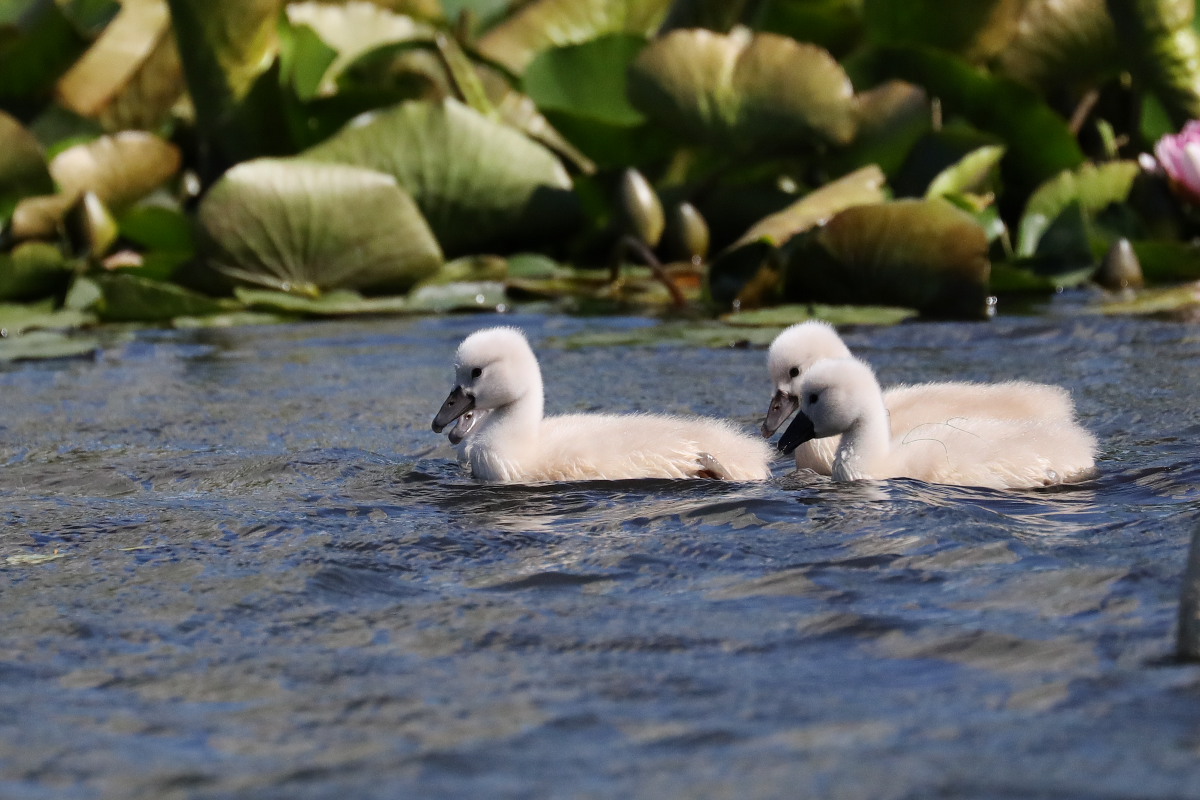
{"points": [[841, 397], [497, 372], [800, 346]]}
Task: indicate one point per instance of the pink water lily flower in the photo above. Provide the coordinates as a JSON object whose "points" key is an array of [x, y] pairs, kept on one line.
{"points": [[1179, 156]]}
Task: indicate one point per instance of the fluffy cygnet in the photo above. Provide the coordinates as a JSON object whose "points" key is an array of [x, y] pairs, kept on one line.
{"points": [[800, 346], [497, 372], [841, 396]]}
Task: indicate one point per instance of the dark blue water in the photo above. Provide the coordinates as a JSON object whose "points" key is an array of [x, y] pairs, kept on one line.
{"points": [[238, 564]]}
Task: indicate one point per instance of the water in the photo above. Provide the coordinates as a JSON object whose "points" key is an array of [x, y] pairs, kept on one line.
{"points": [[238, 564]]}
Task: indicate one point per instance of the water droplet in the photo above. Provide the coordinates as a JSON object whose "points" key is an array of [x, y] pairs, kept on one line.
{"points": [[4, 333], [479, 298]]}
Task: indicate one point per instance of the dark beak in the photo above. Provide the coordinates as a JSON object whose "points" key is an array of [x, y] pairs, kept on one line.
{"points": [[457, 404], [800, 431], [782, 406], [466, 424]]}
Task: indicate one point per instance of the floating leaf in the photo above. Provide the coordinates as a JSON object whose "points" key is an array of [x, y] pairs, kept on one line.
{"points": [[782, 316], [129, 298], [482, 185], [23, 169], [974, 173], [305, 227], [463, 296], [1062, 41], [861, 187], [233, 319], [17, 319], [33, 270], [743, 91], [1173, 301], [922, 254], [338, 303], [131, 76], [1092, 186], [555, 23], [120, 169], [33, 558]]}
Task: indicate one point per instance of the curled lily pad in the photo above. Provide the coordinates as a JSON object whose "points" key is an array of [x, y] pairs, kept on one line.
{"points": [[744, 91], [975, 30], [922, 254], [120, 169], [23, 169], [1164, 50], [974, 172], [1061, 41], [1091, 187], [306, 227], [33, 270], [482, 185], [555, 23]]}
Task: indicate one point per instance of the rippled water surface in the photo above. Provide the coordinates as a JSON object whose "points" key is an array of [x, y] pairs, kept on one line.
{"points": [[238, 564]]}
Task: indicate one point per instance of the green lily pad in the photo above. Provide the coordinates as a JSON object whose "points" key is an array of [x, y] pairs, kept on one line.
{"points": [[130, 76], [468, 269], [587, 80], [38, 345], [460, 296], [23, 169], [37, 44], [120, 169], [157, 227], [1092, 187], [975, 30], [785, 315], [33, 270], [1063, 42], [1164, 262], [1172, 301], [743, 91], [672, 334], [892, 117], [129, 298], [974, 173], [542, 24], [305, 227], [17, 319], [338, 303], [922, 254], [481, 185]]}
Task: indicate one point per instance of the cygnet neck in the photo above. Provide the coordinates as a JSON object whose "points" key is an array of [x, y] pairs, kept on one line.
{"points": [[865, 445]]}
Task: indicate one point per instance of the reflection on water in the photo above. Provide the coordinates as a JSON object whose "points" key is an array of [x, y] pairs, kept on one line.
{"points": [[237, 563]]}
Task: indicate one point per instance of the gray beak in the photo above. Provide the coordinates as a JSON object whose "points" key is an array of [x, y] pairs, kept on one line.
{"points": [[800, 431], [457, 404], [782, 407], [466, 424]]}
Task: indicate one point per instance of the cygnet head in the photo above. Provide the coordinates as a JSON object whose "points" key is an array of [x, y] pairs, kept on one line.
{"points": [[493, 368], [834, 395], [790, 356], [465, 425]]}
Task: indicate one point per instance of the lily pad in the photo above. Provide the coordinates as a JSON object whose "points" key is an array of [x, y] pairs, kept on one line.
{"points": [[17, 319], [782, 316], [23, 169], [481, 185], [892, 117], [1062, 41], [460, 296], [33, 270], [38, 345], [338, 303], [974, 173], [1092, 187], [1173, 301], [975, 30], [743, 91], [120, 169], [542, 24], [305, 227], [129, 298], [922, 254]]}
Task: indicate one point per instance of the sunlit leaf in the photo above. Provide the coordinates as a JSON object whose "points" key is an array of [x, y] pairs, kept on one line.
{"points": [[232, 319], [305, 227], [37, 345], [482, 185], [892, 117], [131, 75], [1163, 50], [861, 187], [922, 254], [463, 296], [782, 316], [556, 23], [23, 169], [1092, 187], [120, 169], [128, 298], [33, 270], [1062, 41], [973, 173], [587, 80], [337, 303], [19, 319], [1173, 301], [743, 91], [976, 30]]}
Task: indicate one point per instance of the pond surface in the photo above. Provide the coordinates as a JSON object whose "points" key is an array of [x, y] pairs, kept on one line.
{"points": [[237, 563]]}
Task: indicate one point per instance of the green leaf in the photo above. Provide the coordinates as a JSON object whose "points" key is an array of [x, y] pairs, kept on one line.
{"points": [[555, 23], [783, 316], [128, 298], [861, 187], [462, 296], [1164, 51], [1092, 186], [743, 91], [38, 345], [1173, 302], [306, 227], [974, 173], [587, 80], [33, 270], [1166, 262], [338, 303], [16, 320], [922, 254], [120, 169], [975, 30], [836, 25], [892, 118], [23, 169], [482, 185], [37, 45], [1063, 42], [156, 227]]}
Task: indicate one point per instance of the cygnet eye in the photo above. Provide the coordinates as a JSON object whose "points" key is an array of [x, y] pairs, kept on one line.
{"points": [[813, 398], [793, 372], [475, 373]]}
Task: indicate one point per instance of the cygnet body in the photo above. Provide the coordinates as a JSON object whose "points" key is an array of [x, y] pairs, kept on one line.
{"points": [[497, 372], [799, 347], [842, 397]]}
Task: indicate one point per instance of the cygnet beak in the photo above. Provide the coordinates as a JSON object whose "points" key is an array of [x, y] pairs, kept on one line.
{"points": [[782, 406], [800, 431], [457, 404], [466, 424]]}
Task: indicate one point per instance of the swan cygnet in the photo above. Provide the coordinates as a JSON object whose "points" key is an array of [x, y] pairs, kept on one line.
{"points": [[797, 348], [841, 396], [497, 372]]}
